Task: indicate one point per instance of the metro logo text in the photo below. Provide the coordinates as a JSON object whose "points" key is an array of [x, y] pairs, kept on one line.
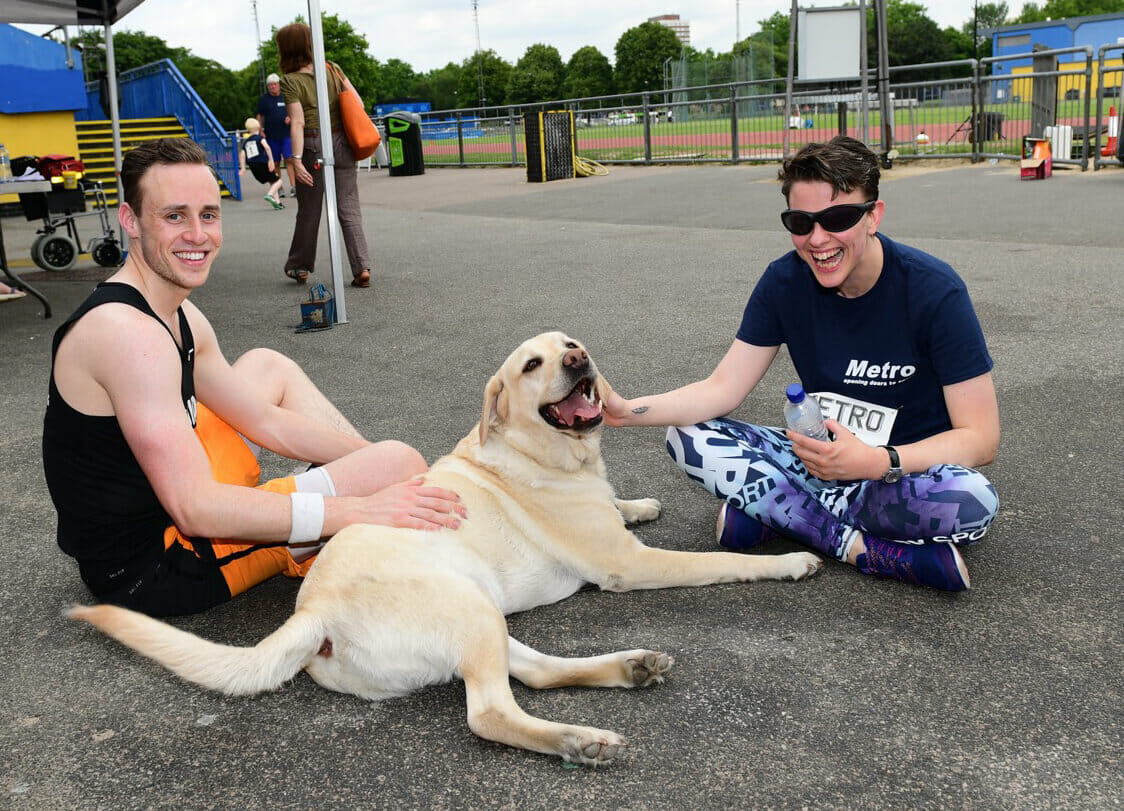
{"points": [[872, 371]]}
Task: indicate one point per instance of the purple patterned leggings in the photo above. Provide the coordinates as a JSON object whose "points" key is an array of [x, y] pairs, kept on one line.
{"points": [[755, 470]]}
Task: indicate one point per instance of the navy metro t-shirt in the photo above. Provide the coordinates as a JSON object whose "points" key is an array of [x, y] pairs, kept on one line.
{"points": [[877, 363]]}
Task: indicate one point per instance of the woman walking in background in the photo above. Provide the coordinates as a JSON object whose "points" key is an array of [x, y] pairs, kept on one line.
{"points": [[298, 87]]}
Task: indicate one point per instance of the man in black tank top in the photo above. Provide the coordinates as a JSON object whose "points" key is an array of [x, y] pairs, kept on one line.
{"points": [[149, 432]]}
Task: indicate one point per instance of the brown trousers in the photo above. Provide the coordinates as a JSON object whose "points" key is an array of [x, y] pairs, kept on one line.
{"points": [[310, 204]]}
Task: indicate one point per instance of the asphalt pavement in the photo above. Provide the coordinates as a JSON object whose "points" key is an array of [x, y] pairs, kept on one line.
{"points": [[838, 692]]}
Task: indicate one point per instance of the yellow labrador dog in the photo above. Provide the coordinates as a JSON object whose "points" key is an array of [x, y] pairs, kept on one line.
{"points": [[385, 611]]}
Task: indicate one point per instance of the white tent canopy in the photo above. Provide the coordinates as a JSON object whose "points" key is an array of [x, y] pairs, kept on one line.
{"points": [[66, 12], [108, 12]]}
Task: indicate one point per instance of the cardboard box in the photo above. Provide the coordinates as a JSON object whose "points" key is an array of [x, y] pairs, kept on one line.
{"points": [[1038, 160]]}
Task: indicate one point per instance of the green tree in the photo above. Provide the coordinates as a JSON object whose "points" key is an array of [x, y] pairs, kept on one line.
{"points": [[216, 86], [342, 45], [960, 44], [495, 71], [1060, 9], [393, 80], [716, 68], [775, 31], [588, 73], [439, 86], [219, 87], [912, 37], [537, 76], [986, 16], [641, 53], [759, 50], [131, 49]]}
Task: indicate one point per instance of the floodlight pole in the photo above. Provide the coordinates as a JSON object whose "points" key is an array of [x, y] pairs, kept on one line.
{"points": [[884, 103], [479, 54], [257, 32], [328, 157], [864, 90], [791, 68]]}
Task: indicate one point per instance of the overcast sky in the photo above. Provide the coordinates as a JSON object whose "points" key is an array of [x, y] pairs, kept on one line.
{"points": [[428, 34]]}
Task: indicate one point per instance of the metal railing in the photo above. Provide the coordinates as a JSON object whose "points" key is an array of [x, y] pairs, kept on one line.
{"points": [[1024, 103], [944, 110], [1111, 129], [159, 89]]}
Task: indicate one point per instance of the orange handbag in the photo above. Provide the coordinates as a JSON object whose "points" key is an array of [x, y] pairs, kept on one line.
{"points": [[361, 132]]}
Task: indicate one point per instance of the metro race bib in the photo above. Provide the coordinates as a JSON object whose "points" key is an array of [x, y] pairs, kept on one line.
{"points": [[870, 422]]}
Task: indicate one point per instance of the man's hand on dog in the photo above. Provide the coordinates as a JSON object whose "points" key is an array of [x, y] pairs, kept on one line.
{"points": [[413, 505]]}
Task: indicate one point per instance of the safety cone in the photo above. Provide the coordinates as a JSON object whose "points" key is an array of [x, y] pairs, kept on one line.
{"points": [[1109, 149]]}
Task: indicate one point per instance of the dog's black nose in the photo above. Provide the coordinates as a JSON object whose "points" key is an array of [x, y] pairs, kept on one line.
{"points": [[575, 359]]}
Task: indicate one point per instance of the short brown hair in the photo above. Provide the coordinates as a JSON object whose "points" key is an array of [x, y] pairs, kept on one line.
{"points": [[140, 159], [294, 47], [844, 162]]}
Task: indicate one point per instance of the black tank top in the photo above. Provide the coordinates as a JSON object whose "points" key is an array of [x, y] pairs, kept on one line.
{"points": [[109, 516]]}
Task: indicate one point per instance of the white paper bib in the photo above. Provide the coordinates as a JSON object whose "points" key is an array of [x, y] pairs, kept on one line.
{"points": [[870, 422]]}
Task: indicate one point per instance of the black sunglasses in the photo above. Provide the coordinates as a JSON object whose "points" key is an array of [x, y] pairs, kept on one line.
{"points": [[834, 219]]}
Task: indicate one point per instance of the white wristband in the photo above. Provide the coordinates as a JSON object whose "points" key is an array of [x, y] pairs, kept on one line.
{"points": [[307, 517]]}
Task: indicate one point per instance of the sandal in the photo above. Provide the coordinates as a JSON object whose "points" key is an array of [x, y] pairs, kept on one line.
{"points": [[362, 279], [8, 293], [299, 276]]}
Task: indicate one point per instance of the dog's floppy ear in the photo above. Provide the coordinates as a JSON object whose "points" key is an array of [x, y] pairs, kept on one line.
{"points": [[495, 406], [602, 388]]}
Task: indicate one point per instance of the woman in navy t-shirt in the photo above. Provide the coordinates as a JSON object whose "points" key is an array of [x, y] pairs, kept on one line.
{"points": [[885, 337]]}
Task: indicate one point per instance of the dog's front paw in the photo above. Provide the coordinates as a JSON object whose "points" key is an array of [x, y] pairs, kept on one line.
{"points": [[803, 564], [639, 509], [649, 667], [591, 747]]}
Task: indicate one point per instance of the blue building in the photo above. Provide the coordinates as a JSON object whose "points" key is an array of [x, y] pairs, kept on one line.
{"points": [[41, 87], [403, 106], [1070, 32]]}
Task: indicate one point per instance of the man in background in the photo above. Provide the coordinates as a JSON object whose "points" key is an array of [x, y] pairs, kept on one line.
{"points": [[274, 120]]}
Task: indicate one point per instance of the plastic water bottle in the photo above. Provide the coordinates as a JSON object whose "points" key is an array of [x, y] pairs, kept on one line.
{"points": [[5, 164], [803, 415]]}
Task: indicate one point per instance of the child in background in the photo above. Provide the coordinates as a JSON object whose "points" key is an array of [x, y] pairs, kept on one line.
{"points": [[259, 160]]}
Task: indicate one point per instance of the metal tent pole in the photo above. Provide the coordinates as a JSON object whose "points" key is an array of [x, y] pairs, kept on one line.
{"points": [[114, 112], [328, 161]]}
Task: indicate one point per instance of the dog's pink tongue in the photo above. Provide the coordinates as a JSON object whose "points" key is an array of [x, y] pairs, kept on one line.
{"points": [[576, 406]]}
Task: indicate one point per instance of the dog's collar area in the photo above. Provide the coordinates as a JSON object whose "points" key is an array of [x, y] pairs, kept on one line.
{"points": [[580, 410]]}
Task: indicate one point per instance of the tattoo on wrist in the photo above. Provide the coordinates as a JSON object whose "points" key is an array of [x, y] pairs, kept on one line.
{"points": [[640, 410]]}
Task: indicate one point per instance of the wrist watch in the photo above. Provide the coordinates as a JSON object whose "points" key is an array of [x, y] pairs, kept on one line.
{"points": [[894, 474]]}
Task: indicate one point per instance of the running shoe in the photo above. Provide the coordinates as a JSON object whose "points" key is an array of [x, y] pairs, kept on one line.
{"points": [[937, 565], [736, 530]]}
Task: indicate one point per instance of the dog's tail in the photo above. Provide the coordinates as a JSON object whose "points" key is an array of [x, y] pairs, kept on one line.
{"points": [[227, 669]]}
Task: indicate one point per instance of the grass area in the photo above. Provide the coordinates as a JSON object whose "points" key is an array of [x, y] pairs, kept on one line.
{"points": [[624, 143]]}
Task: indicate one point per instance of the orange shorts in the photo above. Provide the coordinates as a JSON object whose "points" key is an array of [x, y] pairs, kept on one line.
{"points": [[242, 565]]}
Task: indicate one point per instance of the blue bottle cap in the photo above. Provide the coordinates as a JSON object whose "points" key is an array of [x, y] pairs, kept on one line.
{"points": [[794, 393]]}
